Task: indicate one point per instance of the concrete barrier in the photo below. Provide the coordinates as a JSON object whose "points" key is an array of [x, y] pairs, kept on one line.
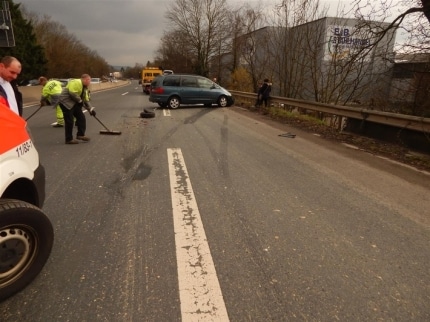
{"points": [[32, 94]]}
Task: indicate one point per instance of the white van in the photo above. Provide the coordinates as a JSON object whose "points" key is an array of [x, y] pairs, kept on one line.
{"points": [[26, 233]]}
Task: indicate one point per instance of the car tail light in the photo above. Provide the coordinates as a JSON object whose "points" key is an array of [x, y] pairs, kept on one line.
{"points": [[157, 90]]}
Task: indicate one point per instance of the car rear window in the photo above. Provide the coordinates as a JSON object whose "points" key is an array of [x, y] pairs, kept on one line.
{"points": [[171, 81]]}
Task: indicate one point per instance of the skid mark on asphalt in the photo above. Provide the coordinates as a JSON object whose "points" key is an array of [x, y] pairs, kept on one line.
{"points": [[199, 290]]}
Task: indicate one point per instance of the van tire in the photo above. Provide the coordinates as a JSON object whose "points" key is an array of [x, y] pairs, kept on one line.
{"points": [[26, 239], [222, 101], [174, 102]]}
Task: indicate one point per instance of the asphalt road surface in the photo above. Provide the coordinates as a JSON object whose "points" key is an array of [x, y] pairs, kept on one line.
{"points": [[206, 214]]}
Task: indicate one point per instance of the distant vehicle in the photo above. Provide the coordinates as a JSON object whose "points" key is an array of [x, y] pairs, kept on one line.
{"points": [[28, 82], [96, 80], [148, 74], [33, 82], [63, 81], [173, 90]]}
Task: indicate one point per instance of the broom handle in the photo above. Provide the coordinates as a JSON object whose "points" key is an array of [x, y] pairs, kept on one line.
{"points": [[101, 123], [34, 113]]}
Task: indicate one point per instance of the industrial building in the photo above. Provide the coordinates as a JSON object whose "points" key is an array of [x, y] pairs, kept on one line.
{"points": [[330, 60]]}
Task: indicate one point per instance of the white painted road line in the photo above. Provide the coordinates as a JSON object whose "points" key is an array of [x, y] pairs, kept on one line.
{"points": [[199, 290], [166, 112]]}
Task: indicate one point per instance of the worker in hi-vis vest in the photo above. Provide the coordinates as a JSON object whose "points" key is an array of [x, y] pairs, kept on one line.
{"points": [[73, 98], [50, 95]]}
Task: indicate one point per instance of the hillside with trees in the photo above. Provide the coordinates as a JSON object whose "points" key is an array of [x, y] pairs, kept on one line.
{"points": [[45, 47]]}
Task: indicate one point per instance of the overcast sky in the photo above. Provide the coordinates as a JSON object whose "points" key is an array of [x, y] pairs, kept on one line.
{"points": [[123, 32]]}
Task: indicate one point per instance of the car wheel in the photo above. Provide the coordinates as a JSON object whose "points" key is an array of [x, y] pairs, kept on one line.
{"points": [[222, 101], [26, 239], [174, 102], [147, 114]]}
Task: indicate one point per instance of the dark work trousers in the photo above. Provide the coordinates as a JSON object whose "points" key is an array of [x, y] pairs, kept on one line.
{"points": [[81, 121], [262, 99]]}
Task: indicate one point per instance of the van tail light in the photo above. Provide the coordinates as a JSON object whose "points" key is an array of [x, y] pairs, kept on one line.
{"points": [[157, 90]]}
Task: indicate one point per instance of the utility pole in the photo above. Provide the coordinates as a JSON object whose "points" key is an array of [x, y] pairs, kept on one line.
{"points": [[6, 30]]}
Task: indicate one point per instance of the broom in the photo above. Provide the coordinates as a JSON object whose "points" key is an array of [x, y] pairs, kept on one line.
{"points": [[107, 131]]}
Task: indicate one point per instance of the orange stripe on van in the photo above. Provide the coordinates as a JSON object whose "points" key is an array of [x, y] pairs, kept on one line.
{"points": [[12, 129]]}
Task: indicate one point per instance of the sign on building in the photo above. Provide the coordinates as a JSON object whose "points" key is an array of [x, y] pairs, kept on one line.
{"points": [[343, 41]]}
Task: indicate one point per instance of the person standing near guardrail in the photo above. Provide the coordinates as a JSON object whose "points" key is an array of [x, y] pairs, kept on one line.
{"points": [[264, 93], [10, 68], [50, 96]]}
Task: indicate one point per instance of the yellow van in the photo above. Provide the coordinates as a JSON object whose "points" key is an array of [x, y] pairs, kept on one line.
{"points": [[148, 75]]}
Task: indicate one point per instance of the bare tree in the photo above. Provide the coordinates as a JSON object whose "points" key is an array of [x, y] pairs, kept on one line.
{"points": [[409, 87], [289, 46], [133, 72], [67, 56], [174, 53], [203, 25], [410, 16], [249, 38], [295, 50], [381, 8], [297, 58]]}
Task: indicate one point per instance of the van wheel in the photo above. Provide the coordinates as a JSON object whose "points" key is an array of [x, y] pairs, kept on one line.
{"points": [[174, 102], [222, 101], [26, 239]]}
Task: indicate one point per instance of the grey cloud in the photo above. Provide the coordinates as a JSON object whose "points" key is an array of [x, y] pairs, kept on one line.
{"points": [[121, 31]]}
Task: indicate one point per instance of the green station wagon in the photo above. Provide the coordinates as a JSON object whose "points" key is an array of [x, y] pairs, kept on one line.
{"points": [[173, 90]]}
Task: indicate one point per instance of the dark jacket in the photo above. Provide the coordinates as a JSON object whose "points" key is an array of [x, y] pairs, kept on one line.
{"points": [[18, 96], [264, 90]]}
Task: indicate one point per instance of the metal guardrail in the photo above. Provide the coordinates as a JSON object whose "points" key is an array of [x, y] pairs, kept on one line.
{"points": [[416, 123]]}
